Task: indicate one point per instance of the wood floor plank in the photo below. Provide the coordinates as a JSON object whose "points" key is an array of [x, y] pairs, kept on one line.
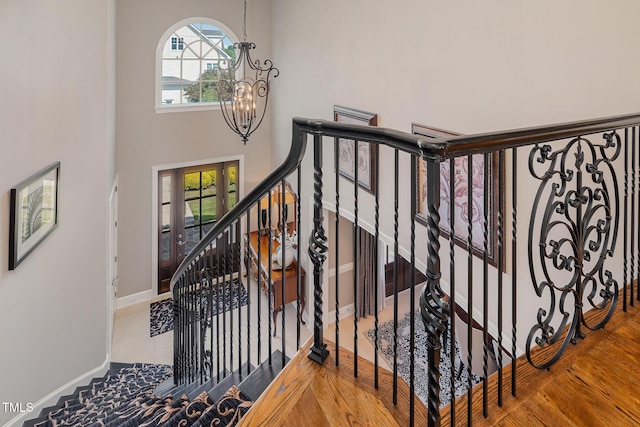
{"points": [[582, 403], [312, 411], [595, 383], [344, 405], [536, 411]]}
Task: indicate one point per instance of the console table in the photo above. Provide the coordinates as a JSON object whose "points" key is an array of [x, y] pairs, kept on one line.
{"points": [[274, 288]]}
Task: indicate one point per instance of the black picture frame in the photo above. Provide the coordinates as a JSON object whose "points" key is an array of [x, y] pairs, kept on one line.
{"points": [[367, 153], [33, 213]]}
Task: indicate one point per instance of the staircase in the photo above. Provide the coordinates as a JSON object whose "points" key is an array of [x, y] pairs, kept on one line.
{"points": [[144, 395]]}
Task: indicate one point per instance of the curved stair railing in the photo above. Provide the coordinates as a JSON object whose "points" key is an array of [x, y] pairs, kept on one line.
{"points": [[582, 180], [213, 334]]}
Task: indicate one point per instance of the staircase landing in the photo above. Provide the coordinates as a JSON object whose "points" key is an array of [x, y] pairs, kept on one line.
{"points": [[306, 393]]}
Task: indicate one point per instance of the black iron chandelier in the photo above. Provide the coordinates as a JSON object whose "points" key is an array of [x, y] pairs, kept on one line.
{"points": [[243, 100]]}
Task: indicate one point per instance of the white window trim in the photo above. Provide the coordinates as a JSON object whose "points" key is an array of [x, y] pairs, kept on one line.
{"points": [[177, 108]]}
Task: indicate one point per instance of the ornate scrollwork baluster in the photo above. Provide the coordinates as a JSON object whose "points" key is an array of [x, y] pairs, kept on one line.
{"points": [[574, 227]]}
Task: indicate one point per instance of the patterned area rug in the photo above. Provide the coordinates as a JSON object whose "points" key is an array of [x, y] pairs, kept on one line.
{"points": [[234, 295], [385, 348]]}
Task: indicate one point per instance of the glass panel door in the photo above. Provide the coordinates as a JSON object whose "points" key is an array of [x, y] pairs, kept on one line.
{"points": [[191, 200]]}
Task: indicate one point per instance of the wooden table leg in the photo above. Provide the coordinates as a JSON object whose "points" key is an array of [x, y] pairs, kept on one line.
{"points": [[302, 304], [275, 315]]}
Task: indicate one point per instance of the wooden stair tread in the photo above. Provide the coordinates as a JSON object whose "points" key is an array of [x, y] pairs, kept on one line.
{"points": [[306, 393]]}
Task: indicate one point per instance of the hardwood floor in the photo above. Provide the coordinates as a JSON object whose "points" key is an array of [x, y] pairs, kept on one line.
{"points": [[308, 394], [594, 384]]}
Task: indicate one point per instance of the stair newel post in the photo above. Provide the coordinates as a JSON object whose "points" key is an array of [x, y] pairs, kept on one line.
{"points": [[317, 253], [432, 307]]}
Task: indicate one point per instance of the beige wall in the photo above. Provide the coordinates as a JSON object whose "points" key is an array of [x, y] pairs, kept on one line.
{"points": [[463, 66], [146, 139], [345, 253], [55, 107]]}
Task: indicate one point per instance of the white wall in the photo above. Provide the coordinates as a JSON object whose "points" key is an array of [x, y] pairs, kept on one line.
{"points": [[55, 98], [463, 66], [146, 138]]}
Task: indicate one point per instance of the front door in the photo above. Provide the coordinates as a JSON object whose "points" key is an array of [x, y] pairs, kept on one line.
{"points": [[190, 202]]}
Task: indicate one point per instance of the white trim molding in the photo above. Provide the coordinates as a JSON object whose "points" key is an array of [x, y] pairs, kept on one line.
{"points": [[133, 299]]}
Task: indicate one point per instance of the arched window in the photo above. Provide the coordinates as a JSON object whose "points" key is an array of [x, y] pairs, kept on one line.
{"points": [[187, 59]]}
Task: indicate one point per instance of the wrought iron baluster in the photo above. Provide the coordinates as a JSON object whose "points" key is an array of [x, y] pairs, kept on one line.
{"points": [[192, 322], [270, 298], [469, 160], [412, 296], [432, 307], [177, 326], [485, 288], [236, 267], [634, 212], [213, 271], [298, 258], [356, 259], [220, 357], [514, 264], [625, 253], [501, 220], [317, 253], [452, 288], [228, 292], [259, 280], [337, 250], [246, 265], [396, 224], [375, 274], [283, 249], [636, 166], [224, 243]]}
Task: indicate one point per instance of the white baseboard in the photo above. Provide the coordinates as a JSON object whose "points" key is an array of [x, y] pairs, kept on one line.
{"points": [[134, 299], [343, 269], [345, 311], [52, 397]]}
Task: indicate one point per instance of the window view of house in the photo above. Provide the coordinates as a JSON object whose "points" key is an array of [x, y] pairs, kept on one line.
{"points": [[191, 58]]}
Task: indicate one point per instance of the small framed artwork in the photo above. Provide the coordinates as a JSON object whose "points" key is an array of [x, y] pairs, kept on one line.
{"points": [[365, 157], [33, 213], [460, 196]]}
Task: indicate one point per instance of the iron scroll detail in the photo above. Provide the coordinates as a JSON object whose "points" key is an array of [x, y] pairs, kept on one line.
{"points": [[572, 235]]}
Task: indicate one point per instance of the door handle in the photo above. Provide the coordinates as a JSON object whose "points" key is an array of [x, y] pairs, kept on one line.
{"points": [[180, 243]]}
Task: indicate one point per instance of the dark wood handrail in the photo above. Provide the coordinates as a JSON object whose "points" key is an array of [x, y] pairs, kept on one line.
{"points": [[444, 148], [438, 149]]}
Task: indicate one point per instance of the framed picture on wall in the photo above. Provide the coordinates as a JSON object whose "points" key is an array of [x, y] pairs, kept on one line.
{"points": [[365, 156], [460, 196], [33, 213]]}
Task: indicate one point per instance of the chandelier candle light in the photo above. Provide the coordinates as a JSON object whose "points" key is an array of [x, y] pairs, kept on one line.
{"points": [[243, 101]]}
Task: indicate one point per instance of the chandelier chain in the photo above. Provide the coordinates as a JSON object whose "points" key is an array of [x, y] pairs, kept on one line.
{"points": [[244, 22]]}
